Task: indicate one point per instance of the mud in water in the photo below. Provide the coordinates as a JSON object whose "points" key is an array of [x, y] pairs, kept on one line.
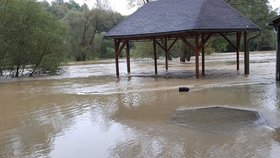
{"points": [[88, 112]]}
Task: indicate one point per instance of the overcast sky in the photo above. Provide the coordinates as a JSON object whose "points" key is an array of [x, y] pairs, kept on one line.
{"points": [[275, 3], [121, 5]]}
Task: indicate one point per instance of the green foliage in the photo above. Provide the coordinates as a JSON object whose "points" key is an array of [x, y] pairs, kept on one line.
{"points": [[260, 12], [29, 37], [209, 49], [219, 44], [51, 49], [85, 29], [104, 48], [72, 5], [142, 50]]}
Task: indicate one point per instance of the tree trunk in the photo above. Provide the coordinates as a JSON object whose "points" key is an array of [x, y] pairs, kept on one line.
{"points": [[37, 64], [184, 55], [17, 72]]}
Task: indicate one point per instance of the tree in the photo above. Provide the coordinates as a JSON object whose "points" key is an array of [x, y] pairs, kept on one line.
{"points": [[72, 5], [85, 26], [50, 50], [142, 50], [259, 11], [28, 35]]}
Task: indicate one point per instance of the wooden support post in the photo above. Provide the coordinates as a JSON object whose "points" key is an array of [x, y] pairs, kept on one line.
{"points": [[117, 45], [128, 57], [238, 39], [203, 56], [246, 55], [118, 49], [155, 55], [278, 54], [196, 52], [166, 53]]}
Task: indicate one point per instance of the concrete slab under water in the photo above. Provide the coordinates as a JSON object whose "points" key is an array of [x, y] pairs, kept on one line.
{"points": [[218, 119]]}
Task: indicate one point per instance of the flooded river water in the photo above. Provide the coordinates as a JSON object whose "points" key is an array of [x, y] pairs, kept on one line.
{"points": [[88, 112]]}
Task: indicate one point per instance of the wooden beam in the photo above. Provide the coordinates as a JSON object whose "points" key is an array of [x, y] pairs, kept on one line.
{"points": [[128, 57], [238, 39], [278, 54], [122, 46], [225, 37], [159, 44], [166, 49], [246, 55], [172, 44], [155, 55], [169, 36], [186, 42], [204, 40], [196, 52]]}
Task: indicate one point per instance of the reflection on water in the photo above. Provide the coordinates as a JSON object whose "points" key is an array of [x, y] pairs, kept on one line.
{"points": [[87, 112]]}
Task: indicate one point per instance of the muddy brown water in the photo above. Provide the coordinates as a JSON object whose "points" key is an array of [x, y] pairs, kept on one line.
{"points": [[87, 112]]}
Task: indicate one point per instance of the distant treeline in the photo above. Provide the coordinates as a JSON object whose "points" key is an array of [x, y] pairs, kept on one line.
{"points": [[37, 37]]}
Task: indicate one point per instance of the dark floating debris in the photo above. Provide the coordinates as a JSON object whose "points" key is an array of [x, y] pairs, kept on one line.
{"points": [[184, 89], [218, 119]]}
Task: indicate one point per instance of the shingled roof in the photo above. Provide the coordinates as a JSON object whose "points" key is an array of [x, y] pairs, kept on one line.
{"points": [[176, 16]]}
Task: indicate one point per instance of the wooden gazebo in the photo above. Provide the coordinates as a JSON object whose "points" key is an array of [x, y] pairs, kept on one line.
{"points": [[276, 23], [173, 20]]}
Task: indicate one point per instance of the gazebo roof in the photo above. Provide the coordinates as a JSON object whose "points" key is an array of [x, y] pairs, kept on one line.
{"points": [[163, 17]]}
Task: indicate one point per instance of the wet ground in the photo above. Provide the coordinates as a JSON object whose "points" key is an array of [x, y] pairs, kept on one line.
{"points": [[88, 112]]}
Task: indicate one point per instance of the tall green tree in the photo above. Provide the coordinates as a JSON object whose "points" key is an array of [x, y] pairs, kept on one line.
{"points": [[259, 11], [85, 26], [30, 36]]}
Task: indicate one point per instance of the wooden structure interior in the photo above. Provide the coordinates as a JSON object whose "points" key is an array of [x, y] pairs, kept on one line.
{"points": [[165, 22], [200, 38]]}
